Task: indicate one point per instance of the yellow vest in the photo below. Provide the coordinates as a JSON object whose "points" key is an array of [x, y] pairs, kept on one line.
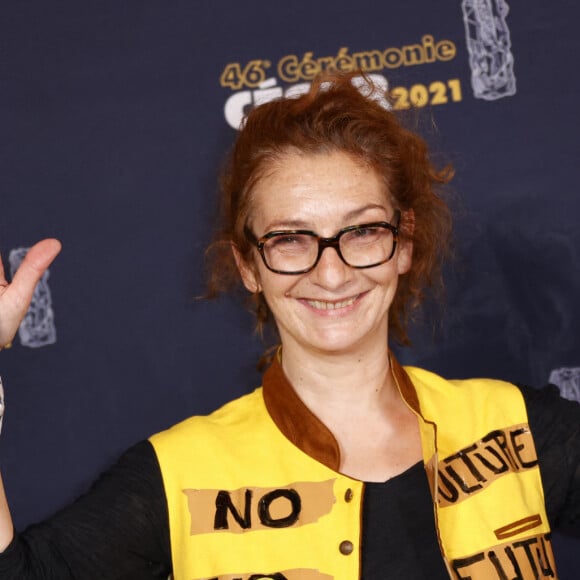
{"points": [[246, 504]]}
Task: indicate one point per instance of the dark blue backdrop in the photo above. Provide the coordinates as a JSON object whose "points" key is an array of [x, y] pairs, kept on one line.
{"points": [[115, 117]]}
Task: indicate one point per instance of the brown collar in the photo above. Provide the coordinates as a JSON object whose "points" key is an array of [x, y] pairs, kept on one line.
{"points": [[301, 426]]}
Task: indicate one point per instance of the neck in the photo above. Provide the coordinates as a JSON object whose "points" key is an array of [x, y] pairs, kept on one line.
{"points": [[347, 382]]}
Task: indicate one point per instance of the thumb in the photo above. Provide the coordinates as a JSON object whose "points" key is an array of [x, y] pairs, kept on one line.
{"points": [[15, 297], [35, 263]]}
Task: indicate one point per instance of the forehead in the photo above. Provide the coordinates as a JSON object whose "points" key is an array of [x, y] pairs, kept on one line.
{"points": [[313, 189]]}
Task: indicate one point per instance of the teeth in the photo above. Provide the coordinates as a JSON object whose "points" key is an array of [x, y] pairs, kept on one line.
{"points": [[331, 305]]}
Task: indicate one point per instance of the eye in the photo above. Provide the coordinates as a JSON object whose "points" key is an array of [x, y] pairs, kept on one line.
{"points": [[289, 243], [365, 234], [285, 240]]}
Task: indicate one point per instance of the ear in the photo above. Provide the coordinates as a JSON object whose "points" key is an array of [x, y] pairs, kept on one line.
{"points": [[247, 272], [405, 245]]}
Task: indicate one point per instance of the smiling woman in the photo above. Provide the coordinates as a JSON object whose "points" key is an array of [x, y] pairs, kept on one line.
{"points": [[337, 117], [343, 464], [332, 307]]}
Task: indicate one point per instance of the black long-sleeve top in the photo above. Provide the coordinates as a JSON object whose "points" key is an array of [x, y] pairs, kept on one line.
{"points": [[119, 530]]}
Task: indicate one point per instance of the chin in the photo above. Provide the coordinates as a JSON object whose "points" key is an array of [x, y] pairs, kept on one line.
{"points": [[341, 344]]}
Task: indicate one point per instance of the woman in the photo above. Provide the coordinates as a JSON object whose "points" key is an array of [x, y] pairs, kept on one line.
{"points": [[344, 465]]}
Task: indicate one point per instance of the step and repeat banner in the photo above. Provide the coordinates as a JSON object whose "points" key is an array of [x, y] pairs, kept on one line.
{"points": [[115, 119]]}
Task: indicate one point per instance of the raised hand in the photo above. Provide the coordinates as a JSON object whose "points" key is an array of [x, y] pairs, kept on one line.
{"points": [[15, 297]]}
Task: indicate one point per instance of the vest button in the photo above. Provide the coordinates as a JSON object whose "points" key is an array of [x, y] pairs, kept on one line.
{"points": [[348, 495], [346, 548]]}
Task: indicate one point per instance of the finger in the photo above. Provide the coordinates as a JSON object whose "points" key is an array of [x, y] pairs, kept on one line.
{"points": [[3, 281], [35, 263]]}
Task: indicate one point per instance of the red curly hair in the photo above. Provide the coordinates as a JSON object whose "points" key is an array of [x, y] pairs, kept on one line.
{"points": [[336, 116]]}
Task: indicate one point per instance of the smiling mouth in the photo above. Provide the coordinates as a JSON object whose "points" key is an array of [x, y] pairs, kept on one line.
{"points": [[323, 305]]}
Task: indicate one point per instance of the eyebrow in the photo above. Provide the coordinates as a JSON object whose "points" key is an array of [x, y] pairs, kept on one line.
{"points": [[303, 225]]}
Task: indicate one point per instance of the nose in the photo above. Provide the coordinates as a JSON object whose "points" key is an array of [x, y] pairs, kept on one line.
{"points": [[331, 272]]}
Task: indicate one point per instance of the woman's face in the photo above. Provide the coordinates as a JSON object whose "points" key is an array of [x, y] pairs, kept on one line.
{"points": [[332, 308]]}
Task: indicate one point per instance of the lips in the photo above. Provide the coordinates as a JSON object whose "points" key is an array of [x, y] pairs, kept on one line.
{"points": [[325, 305]]}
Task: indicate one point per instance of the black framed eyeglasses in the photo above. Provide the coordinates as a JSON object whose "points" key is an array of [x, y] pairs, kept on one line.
{"points": [[298, 251]]}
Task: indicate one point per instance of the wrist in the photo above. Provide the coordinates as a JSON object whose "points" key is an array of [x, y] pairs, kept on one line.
{"points": [[1, 403]]}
